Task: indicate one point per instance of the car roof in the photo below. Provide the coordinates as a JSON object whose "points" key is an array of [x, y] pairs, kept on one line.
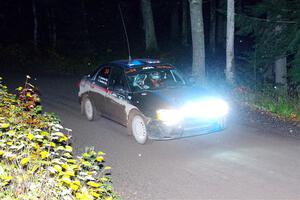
{"points": [[135, 63]]}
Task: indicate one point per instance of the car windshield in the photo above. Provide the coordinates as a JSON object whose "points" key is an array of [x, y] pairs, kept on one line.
{"points": [[154, 79]]}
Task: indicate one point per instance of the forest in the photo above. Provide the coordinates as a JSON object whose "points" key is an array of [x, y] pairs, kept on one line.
{"points": [[251, 44]]}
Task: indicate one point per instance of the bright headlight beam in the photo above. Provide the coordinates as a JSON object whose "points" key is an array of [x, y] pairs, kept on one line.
{"points": [[203, 109], [169, 117], [207, 109]]}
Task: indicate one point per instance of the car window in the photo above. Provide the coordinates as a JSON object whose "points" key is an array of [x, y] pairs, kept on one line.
{"points": [[117, 79], [155, 79], [103, 75]]}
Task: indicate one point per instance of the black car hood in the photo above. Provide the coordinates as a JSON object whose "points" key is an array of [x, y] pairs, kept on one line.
{"points": [[150, 101]]}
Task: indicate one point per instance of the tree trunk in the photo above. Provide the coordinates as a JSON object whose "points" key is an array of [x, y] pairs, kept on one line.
{"points": [[51, 27], [230, 42], [150, 37], [281, 71], [212, 27], [174, 24], [35, 25], [220, 28], [198, 67], [184, 33]]}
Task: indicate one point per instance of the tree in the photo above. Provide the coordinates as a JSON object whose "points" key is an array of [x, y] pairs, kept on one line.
{"points": [[149, 29], [220, 25], [51, 16], [274, 28], [174, 22], [230, 42], [198, 67], [184, 32], [212, 27]]}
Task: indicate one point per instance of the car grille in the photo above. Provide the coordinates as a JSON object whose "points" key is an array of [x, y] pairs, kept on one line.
{"points": [[191, 124]]}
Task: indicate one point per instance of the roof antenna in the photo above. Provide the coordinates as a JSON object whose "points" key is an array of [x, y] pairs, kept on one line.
{"points": [[127, 40]]}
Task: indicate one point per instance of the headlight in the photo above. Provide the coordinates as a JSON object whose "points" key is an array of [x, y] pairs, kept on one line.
{"points": [[169, 117], [206, 109]]}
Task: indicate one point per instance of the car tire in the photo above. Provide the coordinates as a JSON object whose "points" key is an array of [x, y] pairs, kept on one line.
{"points": [[88, 108], [137, 127]]}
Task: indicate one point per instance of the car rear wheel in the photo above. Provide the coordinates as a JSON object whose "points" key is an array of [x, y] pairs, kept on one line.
{"points": [[137, 127], [88, 108]]}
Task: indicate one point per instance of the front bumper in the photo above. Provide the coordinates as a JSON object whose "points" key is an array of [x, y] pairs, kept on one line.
{"points": [[189, 127]]}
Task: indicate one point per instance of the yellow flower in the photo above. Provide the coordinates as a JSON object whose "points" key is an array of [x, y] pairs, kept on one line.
{"points": [[83, 196], [57, 168], [6, 178], [66, 180], [24, 161], [100, 153], [59, 134], [65, 166], [63, 139], [103, 179], [107, 168], [30, 136], [20, 88], [86, 155], [108, 198], [77, 182], [74, 187], [44, 133], [95, 194], [93, 184], [72, 161], [52, 144], [99, 158], [44, 154], [9, 143], [86, 164], [70, 173], [68, 148], [68, 155], [4, 125]]}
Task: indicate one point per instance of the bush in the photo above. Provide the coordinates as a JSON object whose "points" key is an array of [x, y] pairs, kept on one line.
{"points": [[36, 157], [272, 99]]}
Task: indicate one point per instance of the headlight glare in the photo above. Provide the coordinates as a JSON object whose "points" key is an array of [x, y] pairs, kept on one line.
{"points": [[169, 117]]}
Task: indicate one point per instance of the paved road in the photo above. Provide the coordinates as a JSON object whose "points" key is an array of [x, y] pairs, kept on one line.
{"points": [[242, 162]]}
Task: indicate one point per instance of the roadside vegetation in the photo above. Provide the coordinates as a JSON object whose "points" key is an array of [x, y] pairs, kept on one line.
{"points": [[274, 100], [36, 154]]}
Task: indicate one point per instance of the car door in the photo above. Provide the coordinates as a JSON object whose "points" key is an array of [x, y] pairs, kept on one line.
{"points": [[116, 98], [99, 89]]}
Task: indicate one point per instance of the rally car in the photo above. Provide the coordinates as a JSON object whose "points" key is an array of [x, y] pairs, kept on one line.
{"points": [[152, 99]]}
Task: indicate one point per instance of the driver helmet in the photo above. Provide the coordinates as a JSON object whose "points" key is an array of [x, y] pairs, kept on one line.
{"points": [[155, 76]]}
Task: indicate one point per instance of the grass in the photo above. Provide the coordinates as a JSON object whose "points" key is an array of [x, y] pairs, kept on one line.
{"points": [[272, 99]]}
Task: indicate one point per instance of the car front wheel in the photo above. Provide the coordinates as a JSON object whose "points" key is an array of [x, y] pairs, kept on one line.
{"points": [[137, 127]]}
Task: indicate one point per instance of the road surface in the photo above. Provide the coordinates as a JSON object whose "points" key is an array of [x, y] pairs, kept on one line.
{"points": [[242, 162]]}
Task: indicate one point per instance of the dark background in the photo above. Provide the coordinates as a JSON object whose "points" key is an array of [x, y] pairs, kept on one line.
{"points": [[106, 39]]}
